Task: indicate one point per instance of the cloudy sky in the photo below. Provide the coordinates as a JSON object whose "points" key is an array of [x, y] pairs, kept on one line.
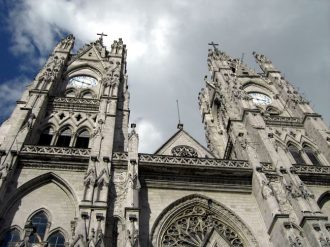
{"points": [[167, 49]]}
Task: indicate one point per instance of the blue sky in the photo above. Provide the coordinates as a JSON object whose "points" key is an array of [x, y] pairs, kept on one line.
{"points": [[167, 49]]}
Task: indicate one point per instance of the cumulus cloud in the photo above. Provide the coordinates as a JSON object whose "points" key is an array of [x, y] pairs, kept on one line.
{"points": [[167, 46]]}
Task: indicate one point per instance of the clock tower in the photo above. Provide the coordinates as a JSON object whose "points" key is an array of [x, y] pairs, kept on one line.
{"points": [[71, 174], [262, 118], [70, 120]]}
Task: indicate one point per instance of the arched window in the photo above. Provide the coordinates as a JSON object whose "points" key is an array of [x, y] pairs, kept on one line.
{"points": [[64, 138], [46, 137], [82, 139], [87, 95], [311, 155], [39, 222], [296, 154], [70, 94], [56, 240], [12, 237], [271, 110]]}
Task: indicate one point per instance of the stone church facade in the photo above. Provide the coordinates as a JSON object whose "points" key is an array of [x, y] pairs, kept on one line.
{"points": [[71, 173]]}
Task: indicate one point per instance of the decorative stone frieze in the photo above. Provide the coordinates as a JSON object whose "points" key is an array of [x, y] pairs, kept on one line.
{"points": [[80, 104], [162, 159], [307, 169], [32, 149], [184, 151], [283, 121]]}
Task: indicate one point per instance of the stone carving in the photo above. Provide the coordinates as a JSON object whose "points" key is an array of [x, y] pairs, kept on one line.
{"points": [[280, 196], [163, 159], [184, 151], [32, 149], [261, 58], [111, 79], [192, 217], [78, 104], [266, 190], [295, 237], [283, 121], [76, 101], [324, 241], [304, 197], [66, 43], [133, 232], [117, 46], [191, 227], [120, 156], [306, 169], [294, 241]]}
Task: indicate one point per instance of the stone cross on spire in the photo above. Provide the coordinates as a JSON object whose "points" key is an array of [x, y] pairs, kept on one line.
{"points": [[214, 45], [101, 36]]}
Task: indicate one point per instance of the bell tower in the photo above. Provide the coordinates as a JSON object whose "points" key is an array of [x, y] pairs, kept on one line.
{"points": [[262, 118], [63, 131]]}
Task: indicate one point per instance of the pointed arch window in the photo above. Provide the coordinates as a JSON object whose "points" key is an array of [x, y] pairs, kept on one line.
{"points": [[46, 137], [12, 237], [39, 222], [311, 155], [64, 138], [296, 154], [56, 240], [82, 139]]}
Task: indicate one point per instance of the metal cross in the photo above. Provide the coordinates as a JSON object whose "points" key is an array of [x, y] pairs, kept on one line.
{"points": [[214, 45]]}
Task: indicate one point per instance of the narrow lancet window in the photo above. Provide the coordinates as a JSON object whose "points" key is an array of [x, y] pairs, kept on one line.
{"points": [[46, 137], [64, 138], [82, 139], [296, 154], [312, 156], [39, 222], [56, 240]]}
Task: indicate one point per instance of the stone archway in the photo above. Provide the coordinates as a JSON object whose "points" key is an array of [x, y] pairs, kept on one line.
{"points": [[198, 221]]}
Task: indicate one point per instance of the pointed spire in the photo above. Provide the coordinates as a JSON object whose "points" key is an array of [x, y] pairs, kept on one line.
{"points": [[66, 44], [264, 63]]}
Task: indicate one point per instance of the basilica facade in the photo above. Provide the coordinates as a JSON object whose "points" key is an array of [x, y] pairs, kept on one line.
{"points": [[71, 173]]}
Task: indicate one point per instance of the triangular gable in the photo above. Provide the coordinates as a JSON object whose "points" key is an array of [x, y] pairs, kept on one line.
{"points": [[182, 139], [89, 52]]}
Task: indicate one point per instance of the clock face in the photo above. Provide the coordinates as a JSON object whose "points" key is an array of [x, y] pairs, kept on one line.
{"points": [[82, 81], [260, 99]]}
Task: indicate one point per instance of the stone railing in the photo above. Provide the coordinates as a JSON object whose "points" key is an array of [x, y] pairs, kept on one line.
{"points": [[67, 151], [163, 159], [75, 103], [119, 156], [310, 169], [285, 121]]}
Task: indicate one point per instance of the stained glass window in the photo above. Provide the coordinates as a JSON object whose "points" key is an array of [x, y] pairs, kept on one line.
{"points": [[12, 238], [56, 240]]}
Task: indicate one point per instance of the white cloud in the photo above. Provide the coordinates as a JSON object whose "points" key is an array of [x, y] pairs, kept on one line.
{"points": [[167, 46], [149, 136]]}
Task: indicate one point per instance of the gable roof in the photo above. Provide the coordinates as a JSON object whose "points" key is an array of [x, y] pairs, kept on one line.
{"points": [[182, 138]]}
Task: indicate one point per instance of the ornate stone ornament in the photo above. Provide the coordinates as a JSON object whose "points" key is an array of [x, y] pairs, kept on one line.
{"points": [[184, 151], [193, 220]]}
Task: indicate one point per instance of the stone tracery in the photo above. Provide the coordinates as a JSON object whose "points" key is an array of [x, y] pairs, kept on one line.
{"points": [[192, 220], [184, 151], [192, 226]]}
